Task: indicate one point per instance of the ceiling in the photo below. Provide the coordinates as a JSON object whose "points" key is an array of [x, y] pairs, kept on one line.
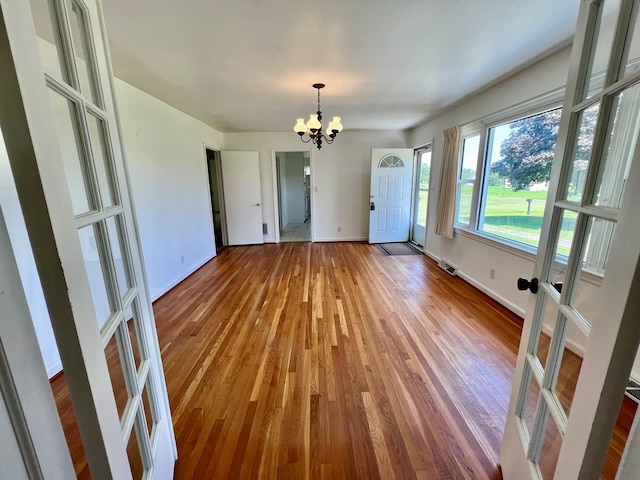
{"points": [[248, 65]]}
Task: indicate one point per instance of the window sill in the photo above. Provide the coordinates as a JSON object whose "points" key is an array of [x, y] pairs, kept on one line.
{"points": [[519, 250]]}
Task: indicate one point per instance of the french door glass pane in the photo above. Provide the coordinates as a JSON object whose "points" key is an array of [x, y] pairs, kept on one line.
{"points": [[102, 160], [562, 246], [120, 258], [132, 318], [552, 441], [567, 379], [116, 373], [621, 145], [78, 22], [148, 412], [96, 272], [65, 115], [632, 47], [549, 319], [135, 457], [585, 296], [600, 54], [581, 154], [530, 405], [50, 51]]}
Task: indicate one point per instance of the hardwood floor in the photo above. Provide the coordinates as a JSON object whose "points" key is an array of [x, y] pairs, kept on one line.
{"points": [[334, 361]]}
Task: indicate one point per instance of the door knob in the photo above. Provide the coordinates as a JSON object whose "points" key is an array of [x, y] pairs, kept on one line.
{"points": [[524, 284]]}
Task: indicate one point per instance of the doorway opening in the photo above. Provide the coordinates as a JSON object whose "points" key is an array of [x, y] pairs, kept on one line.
{"points": [[293, 185], [419, 213], [214, 169]]}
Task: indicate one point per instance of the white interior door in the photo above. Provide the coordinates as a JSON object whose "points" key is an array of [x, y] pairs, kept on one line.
{"points": [[242, 197], [589, 231], [62, 136], [421, 195], [390, 202]]}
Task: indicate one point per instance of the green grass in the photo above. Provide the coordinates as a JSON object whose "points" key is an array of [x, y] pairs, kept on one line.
{"points": [[508, 215]]}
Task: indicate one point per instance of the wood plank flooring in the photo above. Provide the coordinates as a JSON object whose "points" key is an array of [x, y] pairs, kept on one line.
{"points": [[333, 361]]}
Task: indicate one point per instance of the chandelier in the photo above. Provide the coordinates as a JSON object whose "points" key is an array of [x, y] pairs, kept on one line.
{"points": [[313, 128]]}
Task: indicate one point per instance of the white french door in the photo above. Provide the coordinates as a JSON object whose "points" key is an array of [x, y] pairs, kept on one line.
{"points": [[590, 230], [242, 197], [390, 201], [421, 195], [65, 151]]}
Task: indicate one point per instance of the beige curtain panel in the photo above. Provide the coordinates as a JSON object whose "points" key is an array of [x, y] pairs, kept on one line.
{"points": [[446, 207]]}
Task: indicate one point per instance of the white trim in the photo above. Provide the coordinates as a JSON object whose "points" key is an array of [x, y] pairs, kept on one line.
{"points": [[169, 285], [525, 251], [54, 369], [276, 204], [497, 297], [342, 239]]}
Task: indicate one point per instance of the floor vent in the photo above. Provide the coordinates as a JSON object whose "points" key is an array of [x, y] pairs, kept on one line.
{"points": [[633, 391], [448, 267]]}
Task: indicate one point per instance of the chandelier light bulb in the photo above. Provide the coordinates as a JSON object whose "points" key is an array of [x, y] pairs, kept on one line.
{"points": [[300, 128], [314, 124], [338, 125]]}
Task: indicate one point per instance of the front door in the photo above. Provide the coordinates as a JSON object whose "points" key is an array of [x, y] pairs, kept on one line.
{"points": [[591, 230], [421, 195], [61, 131], [242, 197], [390, 201]]}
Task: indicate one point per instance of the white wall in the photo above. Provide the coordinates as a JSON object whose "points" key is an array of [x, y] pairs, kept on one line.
{"points": [[294, 179], [339, 178], [166, 157]]}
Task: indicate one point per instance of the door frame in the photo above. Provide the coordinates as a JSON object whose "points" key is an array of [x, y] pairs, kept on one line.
{"points": [[223, 215], [274, 180], [416, 183]]}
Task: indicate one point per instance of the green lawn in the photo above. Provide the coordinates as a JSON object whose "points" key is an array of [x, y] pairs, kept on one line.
{"points": [[508, 214]]}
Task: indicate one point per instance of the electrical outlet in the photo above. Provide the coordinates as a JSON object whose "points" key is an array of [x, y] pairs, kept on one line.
{"points": [[339, 229], [492, 273]]}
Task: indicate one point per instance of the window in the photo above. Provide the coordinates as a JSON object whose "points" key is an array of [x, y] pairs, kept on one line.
{"points": [[504, 174], [467, 177], [505, 167], [518, 161]]}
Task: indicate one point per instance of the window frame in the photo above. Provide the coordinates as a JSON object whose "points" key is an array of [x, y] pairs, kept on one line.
{"points": [[482, 126]]}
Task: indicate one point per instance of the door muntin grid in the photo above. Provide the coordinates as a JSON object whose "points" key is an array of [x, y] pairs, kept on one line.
{"points": [[106, 218], [618, 80]]}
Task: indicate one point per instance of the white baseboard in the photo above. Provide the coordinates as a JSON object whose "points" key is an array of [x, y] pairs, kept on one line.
{"points": [[341, 239], [170, 285], [571, 344], [497, 297], [54, 369]]}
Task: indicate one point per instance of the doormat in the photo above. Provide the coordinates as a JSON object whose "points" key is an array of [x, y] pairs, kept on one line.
{"points": [[404, 248]]}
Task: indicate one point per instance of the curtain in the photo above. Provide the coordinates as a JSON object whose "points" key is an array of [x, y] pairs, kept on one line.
{"points": [[446, 206]]}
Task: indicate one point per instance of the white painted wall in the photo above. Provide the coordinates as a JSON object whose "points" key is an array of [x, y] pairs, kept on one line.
{"points": [[339, 175], [166, 157], [294, 179]]}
